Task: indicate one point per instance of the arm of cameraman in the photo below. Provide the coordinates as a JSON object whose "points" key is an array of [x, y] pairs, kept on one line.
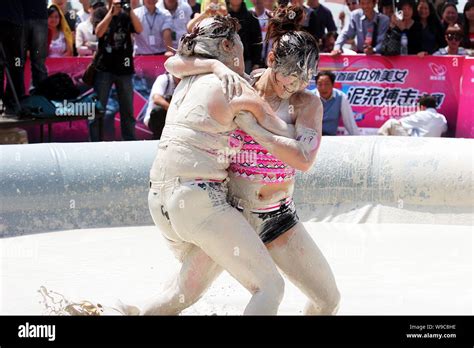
{"points": [[103, 25]]}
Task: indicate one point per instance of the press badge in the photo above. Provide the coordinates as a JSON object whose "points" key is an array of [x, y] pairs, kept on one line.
{"points": [[151, 40]]}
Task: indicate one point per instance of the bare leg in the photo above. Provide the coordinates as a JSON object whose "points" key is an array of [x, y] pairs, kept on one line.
{"points": [[298, 256], [228, 240], [233, 244], [194, 278]]}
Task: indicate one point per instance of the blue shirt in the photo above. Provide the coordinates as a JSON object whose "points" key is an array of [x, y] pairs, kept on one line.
{"points": [[360, 27], [153, 26]]}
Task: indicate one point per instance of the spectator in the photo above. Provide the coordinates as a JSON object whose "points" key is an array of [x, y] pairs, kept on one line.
{"points": [[307, 11], [35, 38], [159, 102], [424, 123], [320, 20], [135, 4], [86, 41], [11, 28], [449, 15], [155, 39], [114, 62], [367, 26], [263, 16], [180, 13], [213, 8], [432, 34], [270, 5], [328, 42], [408, 26], [386, 7], [205, 5], [83, 15], [59, 37], [468, 25], [69, 15], [195, 6], [454, 37], [335, 105], [249, 34], [351, 6]]}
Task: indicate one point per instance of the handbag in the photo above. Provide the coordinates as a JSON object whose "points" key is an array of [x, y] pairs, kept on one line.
{"points": [[89, 74], [391, 43]]}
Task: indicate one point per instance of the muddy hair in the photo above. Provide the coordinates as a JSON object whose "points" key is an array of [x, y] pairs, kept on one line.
{"points": [[296, 51], [205, 39]]}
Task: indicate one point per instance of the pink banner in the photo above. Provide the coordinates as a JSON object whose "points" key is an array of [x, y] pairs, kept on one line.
{"points": [[465, 125], [379, 88]]}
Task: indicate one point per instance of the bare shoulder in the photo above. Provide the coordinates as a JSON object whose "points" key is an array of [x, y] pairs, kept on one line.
{"points": [[305, 100]]}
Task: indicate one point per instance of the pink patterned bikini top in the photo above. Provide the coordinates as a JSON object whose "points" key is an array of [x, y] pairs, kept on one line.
{"points": [[254, 162]]}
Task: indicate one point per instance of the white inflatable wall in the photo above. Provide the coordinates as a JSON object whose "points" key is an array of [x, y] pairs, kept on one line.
{"points": [[60, 186]]}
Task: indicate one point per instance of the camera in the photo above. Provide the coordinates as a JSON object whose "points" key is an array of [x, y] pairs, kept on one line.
{"points": [[125, 4]]}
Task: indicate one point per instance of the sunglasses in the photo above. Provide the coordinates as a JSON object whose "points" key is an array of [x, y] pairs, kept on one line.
{"points": [[456, 37]]}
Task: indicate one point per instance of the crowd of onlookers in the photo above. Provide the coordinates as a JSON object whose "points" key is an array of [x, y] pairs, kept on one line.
{"points": [[114, 31], [426, 27]]}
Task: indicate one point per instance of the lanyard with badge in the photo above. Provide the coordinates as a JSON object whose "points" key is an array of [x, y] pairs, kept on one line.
{"points": [[151, 37]]}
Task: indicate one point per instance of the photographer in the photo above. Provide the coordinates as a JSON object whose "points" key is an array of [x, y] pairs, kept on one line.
{"points": [[11, 26], [159, 102], [114, 60]]}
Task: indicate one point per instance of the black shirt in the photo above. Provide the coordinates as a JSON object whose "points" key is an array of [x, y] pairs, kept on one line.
{"points": [[11, 11], [115, 50], [249, 33], [35, 9], [321, 20], [414, 35], [196, 9]]}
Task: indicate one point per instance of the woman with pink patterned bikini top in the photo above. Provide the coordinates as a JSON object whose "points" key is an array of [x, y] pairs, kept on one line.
{"points": [[267, 168], [255, 164]]}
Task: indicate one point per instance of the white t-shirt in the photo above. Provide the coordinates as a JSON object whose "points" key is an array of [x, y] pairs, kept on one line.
{"points": [[179, 19], [150, 40], [58, 47], [84, 35], [82, 16], [164, 85], [426, 123]]}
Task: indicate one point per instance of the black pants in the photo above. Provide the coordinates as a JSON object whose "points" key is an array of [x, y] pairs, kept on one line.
{"points": [[157, 121], [11, 39]]}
